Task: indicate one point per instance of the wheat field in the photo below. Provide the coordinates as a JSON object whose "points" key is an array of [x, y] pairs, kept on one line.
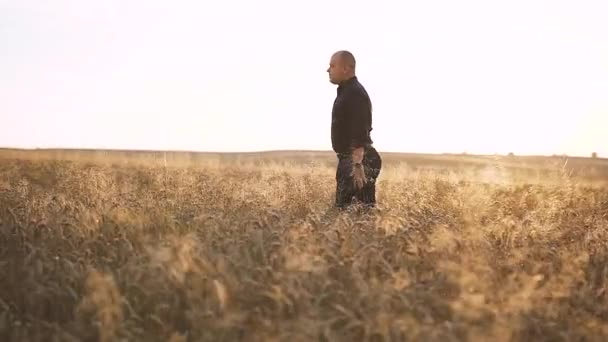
{"points": [[107, 249]]}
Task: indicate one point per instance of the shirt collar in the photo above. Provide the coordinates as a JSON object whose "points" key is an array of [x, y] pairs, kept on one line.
{"points": [[346, 83]]}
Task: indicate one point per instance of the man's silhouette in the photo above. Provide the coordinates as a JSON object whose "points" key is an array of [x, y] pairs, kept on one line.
{"points": [[359, 163]]}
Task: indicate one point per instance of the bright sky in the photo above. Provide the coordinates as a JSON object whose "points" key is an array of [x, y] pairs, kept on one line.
{"points": [[522, 76]]}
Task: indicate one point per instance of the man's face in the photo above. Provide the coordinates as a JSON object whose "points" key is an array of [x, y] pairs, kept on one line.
{"points": [[337, 69]]}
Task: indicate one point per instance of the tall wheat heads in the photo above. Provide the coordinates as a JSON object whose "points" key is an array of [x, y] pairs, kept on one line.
{"points": [[93, 251]]}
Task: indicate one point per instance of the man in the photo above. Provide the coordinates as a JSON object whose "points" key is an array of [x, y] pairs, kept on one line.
{"points": [[359, 163]]}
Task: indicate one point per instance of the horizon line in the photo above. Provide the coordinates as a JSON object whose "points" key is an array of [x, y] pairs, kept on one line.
{"points": [[464, 153]]}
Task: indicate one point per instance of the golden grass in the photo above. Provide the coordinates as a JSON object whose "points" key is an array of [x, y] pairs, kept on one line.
{"points": [[240, 250]]}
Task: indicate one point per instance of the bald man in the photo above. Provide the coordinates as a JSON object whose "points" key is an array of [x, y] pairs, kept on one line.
{"points": [[359, 163]]}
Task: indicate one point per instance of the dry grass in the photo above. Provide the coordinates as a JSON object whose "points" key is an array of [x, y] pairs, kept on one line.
{"points": [[221, 252]]}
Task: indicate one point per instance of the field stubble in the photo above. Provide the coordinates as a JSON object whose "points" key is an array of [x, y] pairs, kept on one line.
{"points": [[97, 252]]}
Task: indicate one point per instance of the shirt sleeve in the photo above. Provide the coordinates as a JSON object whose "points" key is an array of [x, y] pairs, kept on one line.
{"points": [[360, 113]]}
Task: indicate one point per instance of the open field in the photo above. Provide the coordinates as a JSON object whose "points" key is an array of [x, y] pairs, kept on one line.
{"points": [[98, 246]]}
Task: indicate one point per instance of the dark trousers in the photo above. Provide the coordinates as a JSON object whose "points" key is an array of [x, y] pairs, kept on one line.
{"points": [[346, 193]]}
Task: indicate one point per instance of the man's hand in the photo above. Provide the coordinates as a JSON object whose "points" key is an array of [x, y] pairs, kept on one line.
{"points": [[358, 170], [358, 176]]}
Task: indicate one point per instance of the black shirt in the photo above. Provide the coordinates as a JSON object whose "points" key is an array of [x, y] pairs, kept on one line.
{"points": [[351, 117]]}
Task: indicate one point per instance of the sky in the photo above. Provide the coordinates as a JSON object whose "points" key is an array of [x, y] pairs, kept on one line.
{"points": [[475, 76]]}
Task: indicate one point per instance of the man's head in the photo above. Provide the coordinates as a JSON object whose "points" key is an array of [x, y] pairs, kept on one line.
{"points": [[341, 66]]}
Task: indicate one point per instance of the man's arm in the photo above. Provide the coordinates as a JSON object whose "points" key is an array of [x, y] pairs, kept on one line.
{"points": [[359, 113]]}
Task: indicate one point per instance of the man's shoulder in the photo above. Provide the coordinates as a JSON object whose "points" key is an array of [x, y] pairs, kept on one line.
{"points": [[356, 89]]}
